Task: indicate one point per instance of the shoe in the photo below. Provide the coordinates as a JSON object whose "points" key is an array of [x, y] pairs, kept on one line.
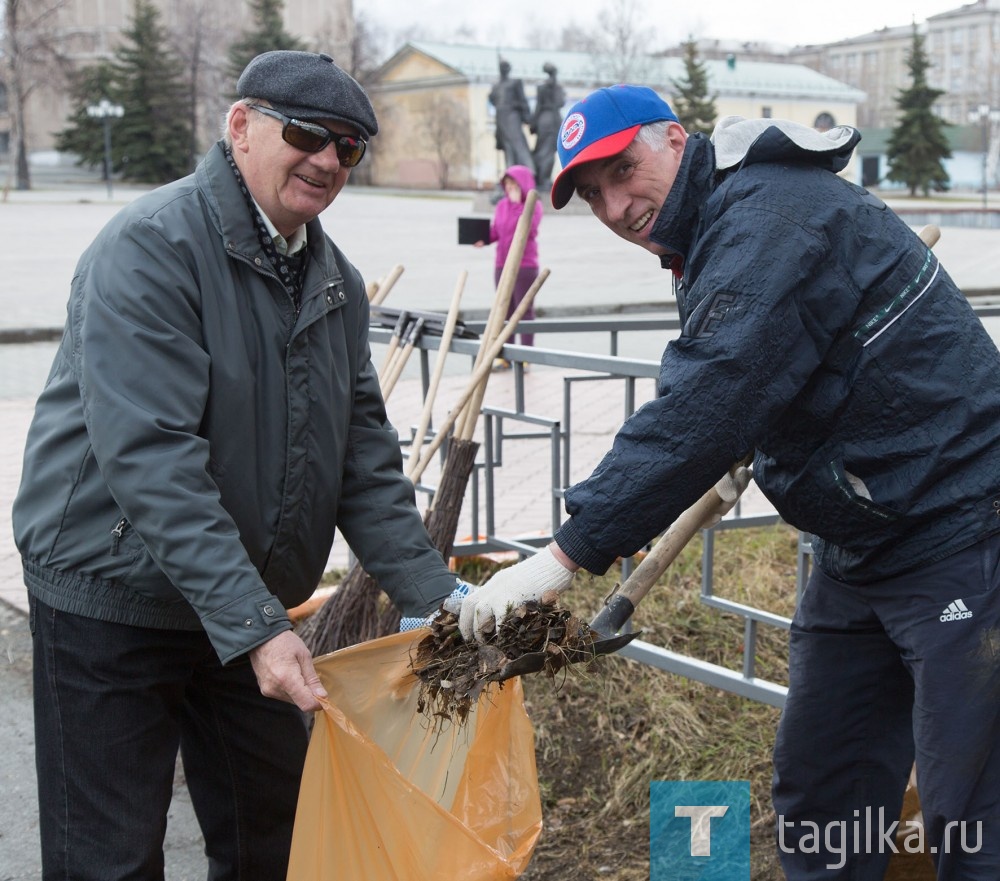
{"points": [[501, 364], [525, 366]]}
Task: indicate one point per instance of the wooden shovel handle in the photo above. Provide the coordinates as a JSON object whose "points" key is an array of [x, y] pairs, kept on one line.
{"points": [[478, 375], [620, 605], [648, 572], [671, 543], [930, 234]]}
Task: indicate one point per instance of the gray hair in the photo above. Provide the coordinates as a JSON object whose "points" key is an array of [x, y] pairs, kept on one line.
{"points": [[654, 134], [249, 102]]}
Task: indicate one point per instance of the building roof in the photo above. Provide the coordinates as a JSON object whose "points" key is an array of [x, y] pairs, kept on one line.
{"points": [[978, 7], [758, 78], [882, 35]]}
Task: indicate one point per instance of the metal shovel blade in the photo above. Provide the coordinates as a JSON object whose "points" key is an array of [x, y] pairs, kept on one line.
{"points": [[621, 604], [534, 662]]}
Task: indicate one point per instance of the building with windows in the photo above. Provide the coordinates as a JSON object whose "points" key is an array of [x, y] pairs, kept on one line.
{"points": [[963, 47], [874, 63], [423, 83], [437, 123]]}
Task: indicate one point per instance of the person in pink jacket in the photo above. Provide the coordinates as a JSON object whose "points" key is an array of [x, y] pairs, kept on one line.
{"points": [[516, 181]]}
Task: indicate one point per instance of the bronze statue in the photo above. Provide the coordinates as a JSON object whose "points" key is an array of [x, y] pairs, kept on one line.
{"points": [[545, 126], [507, 96]]}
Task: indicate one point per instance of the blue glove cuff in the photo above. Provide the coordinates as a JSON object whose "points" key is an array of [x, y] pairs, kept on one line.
{"points": [[454, 600]]}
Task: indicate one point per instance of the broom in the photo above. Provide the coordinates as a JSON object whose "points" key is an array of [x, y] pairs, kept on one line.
{"points": [[358, 592], [441, 518], [351, 614]]}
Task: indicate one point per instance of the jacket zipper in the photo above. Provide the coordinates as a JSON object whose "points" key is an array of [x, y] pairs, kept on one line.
{"points": [[117, 535]]}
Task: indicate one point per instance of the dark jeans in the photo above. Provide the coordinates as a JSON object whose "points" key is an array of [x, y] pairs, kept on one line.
{"points": [[902, 668], [113, 704]]}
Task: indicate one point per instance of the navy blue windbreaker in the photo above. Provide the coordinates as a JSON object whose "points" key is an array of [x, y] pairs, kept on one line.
{"points": [[821, 333]]}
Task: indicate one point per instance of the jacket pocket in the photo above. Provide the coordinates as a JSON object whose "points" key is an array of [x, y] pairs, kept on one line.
{"points": [[822, 498], [133, 566], [851, 491]]}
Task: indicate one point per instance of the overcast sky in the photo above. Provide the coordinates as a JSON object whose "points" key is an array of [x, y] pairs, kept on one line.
{"points": [[510, 22]]}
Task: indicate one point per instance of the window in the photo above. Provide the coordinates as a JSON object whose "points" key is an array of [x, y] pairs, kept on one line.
{"points": [[4, 108], [824, 122]]}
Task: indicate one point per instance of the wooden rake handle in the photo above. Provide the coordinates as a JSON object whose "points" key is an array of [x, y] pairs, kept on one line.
{"points": [[478, 375]]}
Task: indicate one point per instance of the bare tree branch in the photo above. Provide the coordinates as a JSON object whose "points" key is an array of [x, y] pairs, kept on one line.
{"points": [[33, 55]]}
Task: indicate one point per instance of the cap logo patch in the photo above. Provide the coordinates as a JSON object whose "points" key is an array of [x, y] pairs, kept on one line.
{"points": [[572, 130]]}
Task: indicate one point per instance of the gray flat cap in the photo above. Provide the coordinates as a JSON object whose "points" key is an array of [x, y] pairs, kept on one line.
{"points": [[308, 85]]}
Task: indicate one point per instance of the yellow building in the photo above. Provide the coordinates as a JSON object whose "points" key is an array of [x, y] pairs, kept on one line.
{"points": [[437, 123]]}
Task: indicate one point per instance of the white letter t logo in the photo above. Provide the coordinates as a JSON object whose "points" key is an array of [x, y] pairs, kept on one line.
{"points": [[701, 832]]}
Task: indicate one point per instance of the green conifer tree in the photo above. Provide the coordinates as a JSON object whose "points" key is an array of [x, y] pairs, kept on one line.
{"points": [[84, 135], [694, 106], [268, 33], [152, 140], [918, 144]]}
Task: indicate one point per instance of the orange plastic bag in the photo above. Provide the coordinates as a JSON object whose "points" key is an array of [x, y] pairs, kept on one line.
{"points": [[387, 794]]}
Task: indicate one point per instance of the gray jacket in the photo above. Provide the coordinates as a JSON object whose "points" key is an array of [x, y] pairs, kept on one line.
{"points": [[198, 441]]}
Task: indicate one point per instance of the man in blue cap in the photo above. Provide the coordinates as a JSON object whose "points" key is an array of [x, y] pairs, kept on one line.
{"points": [[821, 335], [211, 418]]}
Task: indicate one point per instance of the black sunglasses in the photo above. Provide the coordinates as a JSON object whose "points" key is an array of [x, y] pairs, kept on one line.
{"points": [[311, 138]]}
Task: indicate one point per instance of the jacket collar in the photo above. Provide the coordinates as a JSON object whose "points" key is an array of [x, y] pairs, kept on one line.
{"points": [[232, 216], [682, 209]]}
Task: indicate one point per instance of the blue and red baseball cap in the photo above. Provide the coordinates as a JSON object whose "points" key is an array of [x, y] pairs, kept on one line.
{"points": [[601, 125]]}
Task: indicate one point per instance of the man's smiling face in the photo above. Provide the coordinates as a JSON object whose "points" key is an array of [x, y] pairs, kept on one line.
{"points": [[627, 190], [291, 186]]}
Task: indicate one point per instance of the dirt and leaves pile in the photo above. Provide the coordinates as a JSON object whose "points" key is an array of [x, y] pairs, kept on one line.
{"points": [[453, 672]]}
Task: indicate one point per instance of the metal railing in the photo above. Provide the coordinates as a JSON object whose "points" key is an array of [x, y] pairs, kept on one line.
{"points": [[558, 433], [556, 430], [501, 425]]}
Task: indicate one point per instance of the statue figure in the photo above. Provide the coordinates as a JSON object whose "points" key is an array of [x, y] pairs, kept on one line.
{"points": [[545, 126], [507, 96]]}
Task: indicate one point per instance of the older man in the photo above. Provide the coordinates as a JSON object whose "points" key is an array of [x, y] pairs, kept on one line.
{"points": [[821, 333], [212, 416]]}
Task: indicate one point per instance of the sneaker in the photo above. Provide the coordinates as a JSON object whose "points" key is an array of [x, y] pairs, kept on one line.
{"points": [[501, 364]]}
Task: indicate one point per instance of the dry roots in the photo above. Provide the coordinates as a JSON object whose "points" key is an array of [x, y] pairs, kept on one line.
{"points": [[453, 673]]}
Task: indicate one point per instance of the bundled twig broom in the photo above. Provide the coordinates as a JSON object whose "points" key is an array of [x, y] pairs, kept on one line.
{"points": [[354, 612]]}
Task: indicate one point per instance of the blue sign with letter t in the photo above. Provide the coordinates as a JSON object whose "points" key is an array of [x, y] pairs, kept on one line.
{"points": [[699, 830]]}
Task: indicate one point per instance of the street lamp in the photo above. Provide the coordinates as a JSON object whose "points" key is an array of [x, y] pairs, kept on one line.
{"points": [[104, 110], [986, 117]]}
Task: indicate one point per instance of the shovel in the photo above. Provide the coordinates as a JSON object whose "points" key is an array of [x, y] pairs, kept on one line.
{"points": [[622, 601]]}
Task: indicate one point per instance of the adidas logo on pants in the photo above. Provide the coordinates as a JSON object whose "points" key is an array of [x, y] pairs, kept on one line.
{"points": [[955, 611]]}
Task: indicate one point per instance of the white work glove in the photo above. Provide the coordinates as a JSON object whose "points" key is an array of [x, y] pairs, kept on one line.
{"points": [[730, 488], [451, 604], [489, 604]]}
